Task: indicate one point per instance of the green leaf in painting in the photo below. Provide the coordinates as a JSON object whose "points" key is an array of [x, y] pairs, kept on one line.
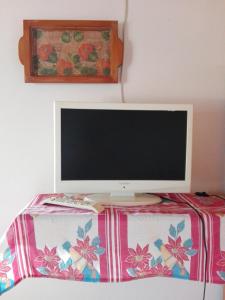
{"points": [[76, 59], [106, 35], [46, 71], [78, 66], [65, 37], [37, 33], [35, 62], [106, 71], [52, 57], [78, 36], [68, 71], [93, 56], [88, 71]]}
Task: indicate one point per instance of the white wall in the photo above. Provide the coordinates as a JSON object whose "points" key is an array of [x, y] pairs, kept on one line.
{"points": [[174, 53]]}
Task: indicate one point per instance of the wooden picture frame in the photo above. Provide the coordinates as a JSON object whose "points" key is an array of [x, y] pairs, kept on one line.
{"points": [[64, 51]]}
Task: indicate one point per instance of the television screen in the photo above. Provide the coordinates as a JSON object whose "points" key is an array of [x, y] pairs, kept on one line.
{"points": [[107, 144]]}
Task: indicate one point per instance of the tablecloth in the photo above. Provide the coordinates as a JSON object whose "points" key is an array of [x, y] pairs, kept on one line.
{"points": [[119, 244]]}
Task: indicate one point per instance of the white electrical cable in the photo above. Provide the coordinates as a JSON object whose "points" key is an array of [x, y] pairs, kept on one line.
{"points": [[123, 38]]}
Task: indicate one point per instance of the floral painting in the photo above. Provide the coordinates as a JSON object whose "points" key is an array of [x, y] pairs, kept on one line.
{"points": [[71, 52]]}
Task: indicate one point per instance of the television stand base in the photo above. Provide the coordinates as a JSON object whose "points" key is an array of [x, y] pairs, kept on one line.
{"points": [[124, 200]]}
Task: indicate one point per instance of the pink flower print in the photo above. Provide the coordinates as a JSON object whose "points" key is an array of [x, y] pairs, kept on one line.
{"points": [[138, 258], [175, 248], [73, 274], [47, 258], [160, 270], [221, 262], [144, 272], [55, 272], [85, 250], [4, 268]]}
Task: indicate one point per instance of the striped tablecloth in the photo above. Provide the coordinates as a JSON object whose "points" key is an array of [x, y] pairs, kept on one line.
{"points": [[120, 244]]}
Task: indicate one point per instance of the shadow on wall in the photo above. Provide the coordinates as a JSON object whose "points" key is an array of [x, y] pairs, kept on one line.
{"points": [[127, 53], [208, 148]]}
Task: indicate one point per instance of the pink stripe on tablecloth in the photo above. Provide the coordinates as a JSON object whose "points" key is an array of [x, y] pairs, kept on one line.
{"points": [[196, 264], [19, 247], [27, 246], [22, 233], [209, 246], [117, 256], [196, 235], [119, 246], [201, 249], [216, 252], [123, 245], [11, 240], [104, 269], [107, 244], [110, 244], [31, 244], [213, 243], [39, 198]]}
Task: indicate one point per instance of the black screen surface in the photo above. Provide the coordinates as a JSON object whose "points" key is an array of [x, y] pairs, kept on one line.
{"points": [[123, 144]]}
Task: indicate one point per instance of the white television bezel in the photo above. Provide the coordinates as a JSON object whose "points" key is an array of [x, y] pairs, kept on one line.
{"points": [[118, 186]]}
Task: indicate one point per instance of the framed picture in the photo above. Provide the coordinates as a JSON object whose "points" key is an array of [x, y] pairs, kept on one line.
{"points": [[70, 51]]}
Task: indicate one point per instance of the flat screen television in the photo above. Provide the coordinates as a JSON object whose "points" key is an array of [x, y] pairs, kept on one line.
{"points": [[122, 148]]}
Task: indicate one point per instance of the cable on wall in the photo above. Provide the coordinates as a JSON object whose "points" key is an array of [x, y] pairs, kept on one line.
{"points": [[123, 38]]}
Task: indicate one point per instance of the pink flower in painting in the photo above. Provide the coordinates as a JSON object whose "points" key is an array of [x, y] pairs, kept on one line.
{"points": [[85, 250], [44, 51], [47, 258], [85, 50], [221, 262], [73, 274], [64, 67], [160, 270], [175, 248], [139, 257], [4, 268]]}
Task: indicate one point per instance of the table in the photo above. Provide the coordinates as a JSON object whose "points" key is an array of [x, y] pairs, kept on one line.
{"points": [[120, 244]]}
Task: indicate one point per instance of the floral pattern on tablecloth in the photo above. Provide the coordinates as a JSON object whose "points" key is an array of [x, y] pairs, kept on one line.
{"points": [[119, 244], [6, 275], [171, 261], [80, 258]]}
